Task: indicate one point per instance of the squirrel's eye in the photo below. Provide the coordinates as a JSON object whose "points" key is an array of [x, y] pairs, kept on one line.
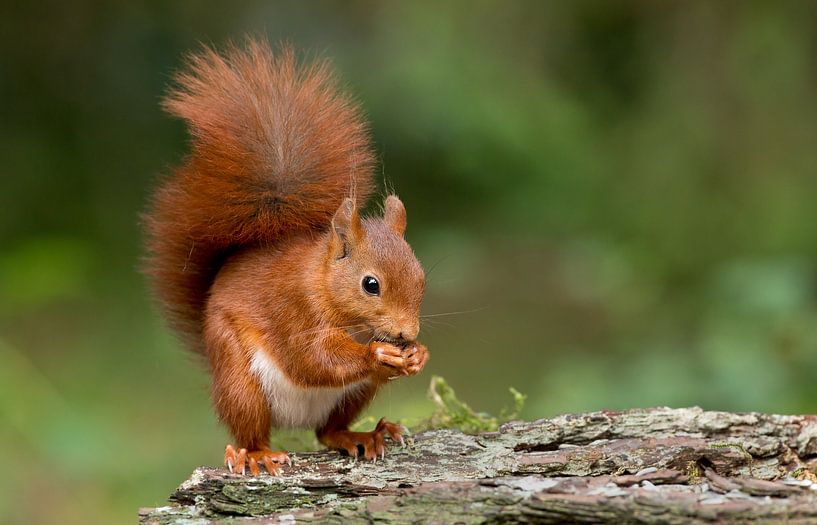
{"points": [[371, 286]]}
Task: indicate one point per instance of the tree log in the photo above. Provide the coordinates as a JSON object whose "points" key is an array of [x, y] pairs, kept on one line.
{"points": [[641, 466]]}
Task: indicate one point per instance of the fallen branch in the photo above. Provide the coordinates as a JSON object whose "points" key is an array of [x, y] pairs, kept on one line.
{"points": [[641, 466]]}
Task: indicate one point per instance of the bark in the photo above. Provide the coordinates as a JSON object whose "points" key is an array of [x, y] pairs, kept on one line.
{"points": [[640, 466]]}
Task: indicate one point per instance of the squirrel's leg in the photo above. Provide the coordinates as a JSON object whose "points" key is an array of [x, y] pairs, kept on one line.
{"points": [[336, 434], [240, 403]]}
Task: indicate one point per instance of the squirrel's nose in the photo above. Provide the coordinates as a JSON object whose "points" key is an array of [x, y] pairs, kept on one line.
{"points": [[409, 333]]}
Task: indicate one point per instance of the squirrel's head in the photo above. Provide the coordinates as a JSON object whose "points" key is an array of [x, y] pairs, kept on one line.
{"points": [[374, 276]]}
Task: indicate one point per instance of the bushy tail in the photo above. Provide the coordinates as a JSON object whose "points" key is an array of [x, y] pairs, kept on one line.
{"points": [[275, 149]]}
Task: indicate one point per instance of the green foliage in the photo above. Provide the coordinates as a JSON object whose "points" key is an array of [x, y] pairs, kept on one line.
{"points": [[450, 412]]}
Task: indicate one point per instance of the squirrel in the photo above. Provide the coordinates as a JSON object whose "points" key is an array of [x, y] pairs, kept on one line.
{"points": [[257, 251]]}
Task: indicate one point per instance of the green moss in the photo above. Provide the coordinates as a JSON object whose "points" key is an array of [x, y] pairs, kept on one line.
{"points": [[694, 473], [451, 412]]}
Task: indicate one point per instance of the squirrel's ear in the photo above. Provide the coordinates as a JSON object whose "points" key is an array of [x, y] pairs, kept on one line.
{"points": [[346, 228], [395, 215]]}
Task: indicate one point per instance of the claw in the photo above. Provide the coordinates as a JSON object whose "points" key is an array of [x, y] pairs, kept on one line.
{"points": [[242, 460], [229, 458], [239, 462], [272, 468], [254, 467]]}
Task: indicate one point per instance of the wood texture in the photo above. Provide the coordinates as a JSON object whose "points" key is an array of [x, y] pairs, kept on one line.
{"points": [[640, 466]]}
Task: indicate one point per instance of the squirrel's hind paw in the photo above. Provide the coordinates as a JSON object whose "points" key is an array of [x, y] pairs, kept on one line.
{"points": [[237, 461], [370, 445]]}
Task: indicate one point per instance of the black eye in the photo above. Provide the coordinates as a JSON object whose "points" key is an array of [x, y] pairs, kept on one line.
{"points": [[371, 286]]}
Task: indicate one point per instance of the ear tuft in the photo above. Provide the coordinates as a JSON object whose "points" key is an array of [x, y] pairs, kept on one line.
{"points": [[345, 228], [342, 220], [395, 214]]}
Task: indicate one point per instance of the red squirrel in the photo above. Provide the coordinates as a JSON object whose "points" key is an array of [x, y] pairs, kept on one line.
{"points": [[302, 307]]}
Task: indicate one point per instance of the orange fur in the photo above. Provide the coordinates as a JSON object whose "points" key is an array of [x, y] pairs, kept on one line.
{"points": [[258, 252], [275, 149]]}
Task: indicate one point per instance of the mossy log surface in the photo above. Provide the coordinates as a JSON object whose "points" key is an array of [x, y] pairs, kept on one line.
{"points": [[640, 466]]}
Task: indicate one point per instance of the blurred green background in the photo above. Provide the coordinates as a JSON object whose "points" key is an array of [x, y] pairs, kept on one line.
{"points": [[619, 195]]}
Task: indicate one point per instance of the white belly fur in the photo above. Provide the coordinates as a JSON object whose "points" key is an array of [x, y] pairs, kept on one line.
{"points": [[291, 405]]}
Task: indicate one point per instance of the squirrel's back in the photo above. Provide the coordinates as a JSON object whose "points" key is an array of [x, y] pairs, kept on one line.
{"points": [[275, 148]]}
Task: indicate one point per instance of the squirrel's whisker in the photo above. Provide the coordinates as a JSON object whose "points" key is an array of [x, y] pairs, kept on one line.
{"points": [[426, 316]]}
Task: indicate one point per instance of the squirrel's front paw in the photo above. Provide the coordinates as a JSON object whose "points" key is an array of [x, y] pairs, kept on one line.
{"points": [[390, 360], [416, 356], [394, 361]]}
